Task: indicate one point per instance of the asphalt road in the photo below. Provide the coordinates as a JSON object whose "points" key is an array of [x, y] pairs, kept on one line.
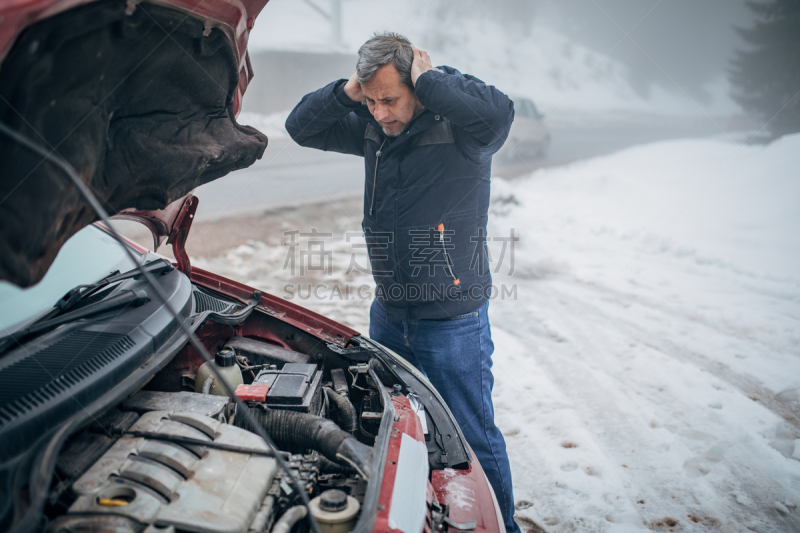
{"points": [[290, 175], [286, 175]]}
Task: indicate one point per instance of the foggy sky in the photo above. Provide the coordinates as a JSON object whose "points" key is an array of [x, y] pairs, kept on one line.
{"points": [[680, 44]]}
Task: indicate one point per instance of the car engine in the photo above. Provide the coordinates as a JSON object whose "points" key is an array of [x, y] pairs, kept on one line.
{"points": [[186, 461], [115, 422]]}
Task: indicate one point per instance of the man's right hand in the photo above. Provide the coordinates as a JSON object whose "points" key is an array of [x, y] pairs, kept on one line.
{"points": [[353, 89]]}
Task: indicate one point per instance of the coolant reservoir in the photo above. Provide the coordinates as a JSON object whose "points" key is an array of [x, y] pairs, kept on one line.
{"points": [[225, 361], [335, 511]]}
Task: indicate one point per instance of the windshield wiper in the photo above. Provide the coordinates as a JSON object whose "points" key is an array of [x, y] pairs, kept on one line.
{"points": [[59, 314], [133, 298], [75, 295]]}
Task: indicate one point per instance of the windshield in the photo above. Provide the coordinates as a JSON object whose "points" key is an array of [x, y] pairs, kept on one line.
{"points": [[91, 254]]}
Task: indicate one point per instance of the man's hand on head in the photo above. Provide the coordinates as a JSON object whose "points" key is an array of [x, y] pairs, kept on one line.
{"points": [[353, 89], [421, 63]]}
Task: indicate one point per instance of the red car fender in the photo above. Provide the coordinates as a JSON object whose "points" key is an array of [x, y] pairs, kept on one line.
{"points": [[406, 432], [467, 493]]}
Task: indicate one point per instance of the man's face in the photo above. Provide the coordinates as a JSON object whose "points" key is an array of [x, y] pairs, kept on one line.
{"points": [[391, 102]]}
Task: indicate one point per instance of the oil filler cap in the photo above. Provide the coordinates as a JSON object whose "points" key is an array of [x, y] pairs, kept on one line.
{"points": [[225, 357], [333, 500]]}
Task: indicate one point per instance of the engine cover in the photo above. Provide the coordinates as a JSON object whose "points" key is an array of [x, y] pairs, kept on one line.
{"points": [[143, 481]]}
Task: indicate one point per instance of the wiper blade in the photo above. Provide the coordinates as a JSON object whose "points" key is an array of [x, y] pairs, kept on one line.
{"points": [[81, 292], [133, 298], [75, 295], [58, 313]]}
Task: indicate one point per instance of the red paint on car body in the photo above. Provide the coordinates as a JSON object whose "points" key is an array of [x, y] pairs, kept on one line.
{"points": [[317, 325], [469, 496], [405, 421], [180, 232]]}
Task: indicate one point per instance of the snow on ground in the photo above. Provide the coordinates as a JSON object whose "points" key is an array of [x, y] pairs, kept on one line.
{"points": [[648, 370]]}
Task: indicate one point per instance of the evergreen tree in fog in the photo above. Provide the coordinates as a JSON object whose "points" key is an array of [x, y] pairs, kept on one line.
{"points": [[766, 78]]}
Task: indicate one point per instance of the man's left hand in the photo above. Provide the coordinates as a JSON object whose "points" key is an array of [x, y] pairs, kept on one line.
{"points": [[421, 63]]}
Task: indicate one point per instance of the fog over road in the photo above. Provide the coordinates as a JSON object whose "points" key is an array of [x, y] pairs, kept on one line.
{"points": [[288, 174]]}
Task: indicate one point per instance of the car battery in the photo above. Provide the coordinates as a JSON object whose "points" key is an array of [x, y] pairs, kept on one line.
{"points": [[295, 387]]}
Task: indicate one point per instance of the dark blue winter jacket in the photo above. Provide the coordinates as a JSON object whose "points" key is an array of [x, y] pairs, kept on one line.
{"points": [[426, 225]]}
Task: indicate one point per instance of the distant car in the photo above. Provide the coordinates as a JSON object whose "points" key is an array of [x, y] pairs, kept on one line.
{"points": [[529, 136], [109, 419]]}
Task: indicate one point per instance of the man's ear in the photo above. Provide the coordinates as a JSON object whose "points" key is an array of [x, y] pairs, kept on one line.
{"points": [[418, 105]]}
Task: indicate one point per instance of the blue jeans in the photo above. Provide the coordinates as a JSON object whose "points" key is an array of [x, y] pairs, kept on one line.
{"points": [[456, 356]]}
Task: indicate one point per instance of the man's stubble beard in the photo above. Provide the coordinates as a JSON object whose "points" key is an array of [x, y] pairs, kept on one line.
{"points": [[417, 111]]}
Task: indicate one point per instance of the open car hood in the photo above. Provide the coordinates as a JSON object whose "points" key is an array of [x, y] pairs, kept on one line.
{"points": [[139, 97]]}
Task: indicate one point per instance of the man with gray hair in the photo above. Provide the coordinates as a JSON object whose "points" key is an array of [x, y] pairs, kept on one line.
{"points": [[427, 136]]}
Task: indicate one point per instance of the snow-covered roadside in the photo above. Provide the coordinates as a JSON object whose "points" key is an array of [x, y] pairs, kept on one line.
{"points": [[648, 372]]}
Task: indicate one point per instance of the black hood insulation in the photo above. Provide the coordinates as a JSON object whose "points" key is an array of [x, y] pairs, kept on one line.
{"points": [[139, 103]]}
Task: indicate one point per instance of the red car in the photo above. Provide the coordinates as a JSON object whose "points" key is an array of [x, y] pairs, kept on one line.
{"points": [[109, 419]]}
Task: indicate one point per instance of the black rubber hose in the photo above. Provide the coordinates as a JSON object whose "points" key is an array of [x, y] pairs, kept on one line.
{"points": [[326, 466], [317, 433], [346, 413], [287, 521]]}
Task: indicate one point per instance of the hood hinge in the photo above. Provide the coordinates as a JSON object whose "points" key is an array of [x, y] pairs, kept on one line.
{"points": [[180, 231]]}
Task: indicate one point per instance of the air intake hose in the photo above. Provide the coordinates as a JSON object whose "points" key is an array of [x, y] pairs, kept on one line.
{"points": [[345, 410], [314, 432]]}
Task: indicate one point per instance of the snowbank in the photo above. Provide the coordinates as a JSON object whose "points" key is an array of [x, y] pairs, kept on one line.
{"points": [[736, 203]]}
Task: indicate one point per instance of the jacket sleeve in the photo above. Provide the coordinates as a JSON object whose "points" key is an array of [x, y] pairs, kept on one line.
{"points": [[325, 120], [481, 110]]}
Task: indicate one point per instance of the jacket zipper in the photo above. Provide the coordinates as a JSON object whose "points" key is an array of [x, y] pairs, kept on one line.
{"points": [[375, 177], [449, 262]]}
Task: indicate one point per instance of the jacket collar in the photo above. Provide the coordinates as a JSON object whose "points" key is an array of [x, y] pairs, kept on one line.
{"points": [[424, 120]]}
